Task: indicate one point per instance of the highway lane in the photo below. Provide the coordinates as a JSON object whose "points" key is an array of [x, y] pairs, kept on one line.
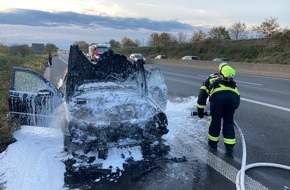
{"points": [[266, 129], [264, 89], [60, 63], [263, 116]]}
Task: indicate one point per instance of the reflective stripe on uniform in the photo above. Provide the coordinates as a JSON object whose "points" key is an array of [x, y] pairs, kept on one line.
{"points": [[212, 138], [200, 106], [229, 141], [222, 88], [204, 88], [213, 78]]}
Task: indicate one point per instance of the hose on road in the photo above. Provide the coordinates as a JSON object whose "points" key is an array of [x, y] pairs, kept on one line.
{"points": [[240, 177]]}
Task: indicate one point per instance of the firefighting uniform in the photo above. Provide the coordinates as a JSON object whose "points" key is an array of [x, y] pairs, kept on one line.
{"points": [[224, 99]]}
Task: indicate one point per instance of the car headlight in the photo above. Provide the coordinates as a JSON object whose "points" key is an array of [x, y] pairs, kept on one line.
{"points": [[156, 91], [129, 111]]}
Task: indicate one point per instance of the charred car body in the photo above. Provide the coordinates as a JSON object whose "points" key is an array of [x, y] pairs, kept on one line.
{"points": [[110, 103], [111, 106]]}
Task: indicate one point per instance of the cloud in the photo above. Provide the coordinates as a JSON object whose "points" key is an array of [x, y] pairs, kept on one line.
{"points": [[48, 19], [26, 26]]}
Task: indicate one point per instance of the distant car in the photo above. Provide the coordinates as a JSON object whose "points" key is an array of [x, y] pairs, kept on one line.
{"points": [[96, 51], [136, 56], [161, 57], [190, 57], [221, 59]]}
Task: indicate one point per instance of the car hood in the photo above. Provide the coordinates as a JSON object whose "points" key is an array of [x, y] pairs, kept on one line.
{"points": [[104, 103], [110, 67]]}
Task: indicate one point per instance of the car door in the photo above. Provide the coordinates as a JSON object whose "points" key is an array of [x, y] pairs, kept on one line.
{"points": [[32, 98], [157, 89]]}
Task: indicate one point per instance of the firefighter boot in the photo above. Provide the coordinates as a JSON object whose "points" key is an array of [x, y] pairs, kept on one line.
{"points": [[212, 144], [229, 150]]}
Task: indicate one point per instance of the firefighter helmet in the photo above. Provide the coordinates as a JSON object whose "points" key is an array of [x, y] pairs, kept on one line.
{"points": [[227, 71]]}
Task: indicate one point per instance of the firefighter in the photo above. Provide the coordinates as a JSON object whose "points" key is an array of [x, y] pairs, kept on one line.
{"points": [[50, 58], [224, 99]]}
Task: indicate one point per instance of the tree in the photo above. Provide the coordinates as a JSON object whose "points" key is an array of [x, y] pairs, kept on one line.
{"points": [[154, 39], [166, 39], [127, 42], [84, 46], [49, 47], [268, 28], [162, 39], [283, 37], [238, 31], [219, 33], [114, 44], [181, 37], [198, 36]]}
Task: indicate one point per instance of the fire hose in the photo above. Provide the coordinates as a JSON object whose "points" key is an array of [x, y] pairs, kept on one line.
{"points": [[240, 177]]}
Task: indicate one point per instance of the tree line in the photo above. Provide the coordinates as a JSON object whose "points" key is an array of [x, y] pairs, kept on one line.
{"points": [[238, 31], [25, 49], [267, 29]]}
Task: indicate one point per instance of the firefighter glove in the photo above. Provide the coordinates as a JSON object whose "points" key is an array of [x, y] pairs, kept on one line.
{"points": [[200, 112]]}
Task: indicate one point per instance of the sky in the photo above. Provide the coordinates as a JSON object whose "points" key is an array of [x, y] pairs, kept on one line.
{"points": [[67, 21], [37, 156]]}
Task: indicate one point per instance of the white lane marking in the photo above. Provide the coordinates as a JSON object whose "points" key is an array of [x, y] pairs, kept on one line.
{"points": [[222, 167], [180, 80], [251, 83], [189, 140], [63, 60], [204, 77], [244, 99], [266, 104], [181, 75]]}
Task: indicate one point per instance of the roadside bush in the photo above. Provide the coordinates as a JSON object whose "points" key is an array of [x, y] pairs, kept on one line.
{"points": [[22, 50]]}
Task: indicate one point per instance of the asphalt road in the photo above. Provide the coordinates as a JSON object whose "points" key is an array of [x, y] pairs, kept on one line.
{"points": [[263, 117]]}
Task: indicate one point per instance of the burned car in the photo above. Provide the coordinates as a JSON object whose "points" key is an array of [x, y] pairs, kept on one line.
{"points": [[109, 104]]}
